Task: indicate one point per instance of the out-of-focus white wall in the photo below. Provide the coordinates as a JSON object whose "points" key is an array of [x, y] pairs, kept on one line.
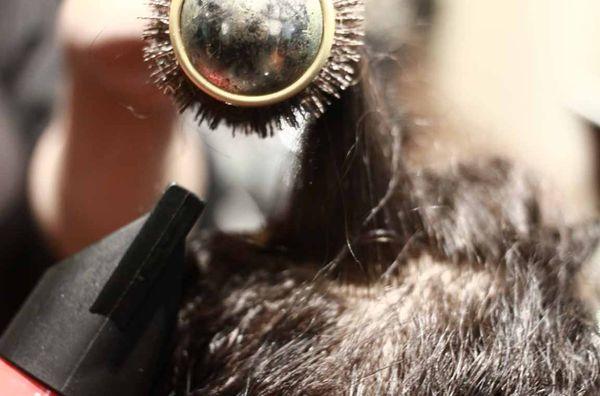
{"points": [[512, 71]]}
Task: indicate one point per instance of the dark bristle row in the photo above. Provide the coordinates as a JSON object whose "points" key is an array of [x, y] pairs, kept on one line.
{"points": [[338, 74]]}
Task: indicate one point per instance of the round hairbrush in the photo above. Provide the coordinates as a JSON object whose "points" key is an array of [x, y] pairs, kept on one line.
{"points": [[254, 64]]}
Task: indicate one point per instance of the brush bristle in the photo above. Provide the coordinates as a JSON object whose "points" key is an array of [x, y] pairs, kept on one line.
{"points": [[339, 73]]}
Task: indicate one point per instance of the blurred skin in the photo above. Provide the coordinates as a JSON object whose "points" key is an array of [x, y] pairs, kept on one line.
{"points": [[518, 70], [114, 142]]}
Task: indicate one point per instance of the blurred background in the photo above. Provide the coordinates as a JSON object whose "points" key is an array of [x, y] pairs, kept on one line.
{"points": [[519, 78]]}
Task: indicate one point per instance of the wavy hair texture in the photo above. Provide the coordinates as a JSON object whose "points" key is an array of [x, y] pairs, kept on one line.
{"points": [[380, 279]]}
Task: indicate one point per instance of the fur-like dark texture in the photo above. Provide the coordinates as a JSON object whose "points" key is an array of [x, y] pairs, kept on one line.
{"points": [[262, 324], [456, 284], [385, 280]]}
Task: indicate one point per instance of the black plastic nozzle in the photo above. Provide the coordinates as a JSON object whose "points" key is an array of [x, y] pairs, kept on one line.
{"points": [[99, 322]]}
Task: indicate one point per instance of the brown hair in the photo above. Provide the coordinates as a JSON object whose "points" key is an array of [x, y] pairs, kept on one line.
{"points": [[383, 280]]}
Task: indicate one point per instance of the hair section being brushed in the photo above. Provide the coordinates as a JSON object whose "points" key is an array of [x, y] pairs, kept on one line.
{"points": [[380, 279]]}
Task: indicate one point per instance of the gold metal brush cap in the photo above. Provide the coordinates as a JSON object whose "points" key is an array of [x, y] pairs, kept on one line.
{"points": [[252, 53]]}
